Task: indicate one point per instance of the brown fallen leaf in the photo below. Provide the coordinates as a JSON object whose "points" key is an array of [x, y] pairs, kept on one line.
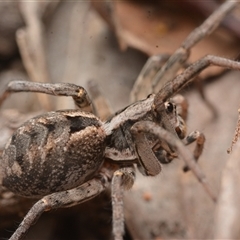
{"points": [[157, 28]]}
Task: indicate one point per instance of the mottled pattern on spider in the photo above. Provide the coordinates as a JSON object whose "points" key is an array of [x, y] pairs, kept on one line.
{"points": [[68, 157]]}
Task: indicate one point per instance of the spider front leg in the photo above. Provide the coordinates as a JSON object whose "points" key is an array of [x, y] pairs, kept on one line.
{"points": [[160, 69], [149, 127], [180, 56], [123, 179], [188, 75], [63, 199], [78, 93]]}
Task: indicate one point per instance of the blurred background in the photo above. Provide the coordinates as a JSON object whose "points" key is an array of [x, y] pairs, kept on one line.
{"points": [[108, 42]]}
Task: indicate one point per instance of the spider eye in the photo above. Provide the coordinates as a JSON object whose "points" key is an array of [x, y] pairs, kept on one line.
{"points": [[169, 107]]}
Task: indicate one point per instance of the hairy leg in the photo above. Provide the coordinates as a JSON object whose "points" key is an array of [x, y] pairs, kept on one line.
{"points": [[122, 179], [79, 94]]}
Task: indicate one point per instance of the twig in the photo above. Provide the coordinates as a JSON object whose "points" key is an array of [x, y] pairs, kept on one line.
{"points": [[228, 211]]}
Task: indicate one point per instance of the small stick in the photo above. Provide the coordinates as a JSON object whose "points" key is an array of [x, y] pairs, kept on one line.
{"points": [[236, 134]]}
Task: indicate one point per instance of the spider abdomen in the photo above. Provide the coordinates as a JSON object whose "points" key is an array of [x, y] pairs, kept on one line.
{"points": [[53, 152]]}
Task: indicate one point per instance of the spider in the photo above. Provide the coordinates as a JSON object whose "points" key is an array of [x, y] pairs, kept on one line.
{"points": [[70, 156]]}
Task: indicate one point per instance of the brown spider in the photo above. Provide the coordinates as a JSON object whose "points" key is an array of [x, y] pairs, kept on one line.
{"points": [[70, 156]]}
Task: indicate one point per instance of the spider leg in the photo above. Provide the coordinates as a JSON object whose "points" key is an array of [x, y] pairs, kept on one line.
{"points": [[122, 179], [153, 75], [154, 129], [62, 199], [78, 93], [199, 138], [174, 86], [177, 60]]}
